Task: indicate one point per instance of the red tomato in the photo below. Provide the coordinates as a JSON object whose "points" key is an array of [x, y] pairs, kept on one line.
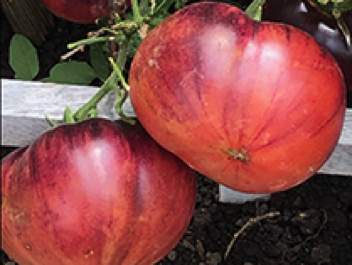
{"points": [[81, 11], [302, 14], [94, 193], [255, 106]]}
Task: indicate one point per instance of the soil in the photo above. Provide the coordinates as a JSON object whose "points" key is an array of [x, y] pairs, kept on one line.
{"points": [[315, 221]]}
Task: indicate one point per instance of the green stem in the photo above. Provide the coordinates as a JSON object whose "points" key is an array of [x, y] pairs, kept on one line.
{"points": [[89, 41], [121, 98], [345, 30], [163, 7], [136, 13], [122, 56], [108, 85], [119, 74], [112, 82], [254, 10], [121, 93], [329, 7]]}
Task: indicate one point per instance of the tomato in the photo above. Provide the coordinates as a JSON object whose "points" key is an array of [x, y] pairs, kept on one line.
{"points": [[94, 192], [257, 107], [80, 11], [325, 29]]}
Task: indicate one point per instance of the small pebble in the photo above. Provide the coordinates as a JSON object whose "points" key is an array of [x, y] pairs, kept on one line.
{"points": [[321, 254], [213, 258], [172, 255]]}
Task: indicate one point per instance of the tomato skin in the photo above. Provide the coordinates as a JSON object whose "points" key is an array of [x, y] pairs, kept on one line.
{"points": [[80, 11], [94, 193], [301, 14], [257, 107]]}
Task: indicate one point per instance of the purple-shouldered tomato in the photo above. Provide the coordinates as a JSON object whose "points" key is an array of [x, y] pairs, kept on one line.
{"points": [[94, 192]]}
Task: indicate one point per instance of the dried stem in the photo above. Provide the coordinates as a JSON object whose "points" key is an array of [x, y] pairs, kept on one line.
{"points": [[80, 48], [249, 223]]}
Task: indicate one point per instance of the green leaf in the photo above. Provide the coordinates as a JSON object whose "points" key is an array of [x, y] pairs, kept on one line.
{"points": [[99, 61], [76, 73], [23, 58], [133, 44]]}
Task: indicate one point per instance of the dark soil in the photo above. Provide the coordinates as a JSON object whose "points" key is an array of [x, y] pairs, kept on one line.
{"points": [[315, 221]]}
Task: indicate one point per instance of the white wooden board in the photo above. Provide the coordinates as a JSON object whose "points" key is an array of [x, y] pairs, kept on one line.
{"points": [[25, 104]]}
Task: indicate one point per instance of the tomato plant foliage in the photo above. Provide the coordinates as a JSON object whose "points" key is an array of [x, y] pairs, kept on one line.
{"points": [[23, 58]]}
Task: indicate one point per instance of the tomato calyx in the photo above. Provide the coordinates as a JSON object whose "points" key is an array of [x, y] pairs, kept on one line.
{"points": [[254, 10], [241, 154]]}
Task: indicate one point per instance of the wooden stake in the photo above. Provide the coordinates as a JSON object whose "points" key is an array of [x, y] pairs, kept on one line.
{"points": [[30, 18]]}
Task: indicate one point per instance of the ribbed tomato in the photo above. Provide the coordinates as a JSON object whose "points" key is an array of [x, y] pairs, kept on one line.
{"points": [[324, 28], [93, 193], [256, 106]]}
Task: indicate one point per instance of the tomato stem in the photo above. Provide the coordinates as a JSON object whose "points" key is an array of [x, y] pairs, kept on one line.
{"points": [[136, 13], [90, 41], [121, 34], [121, 94], [164, 6], [108, 85], [254, 10], [121, 58], [345, 30], [119, 74], [121, 98], [332, 7]]}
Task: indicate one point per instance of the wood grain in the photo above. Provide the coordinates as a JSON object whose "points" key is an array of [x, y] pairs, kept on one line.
{"points": [[26, 103], [30, 18]]}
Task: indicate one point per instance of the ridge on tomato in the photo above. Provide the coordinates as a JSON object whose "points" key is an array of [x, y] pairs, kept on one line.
{"points": [[255, 106], [94, 192], [324, 28]]}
